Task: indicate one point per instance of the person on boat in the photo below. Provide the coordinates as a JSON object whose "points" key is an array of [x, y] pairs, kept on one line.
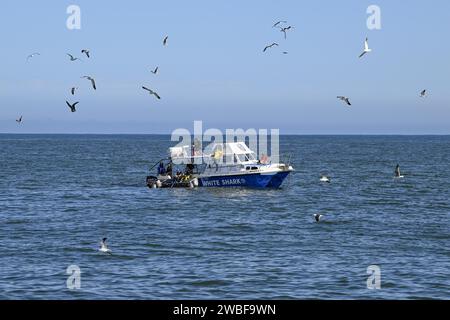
{"points": [[264, 159], [169, 169], [217, 155], [397, 171], [161, 169], [189, 168], [197, 147]]}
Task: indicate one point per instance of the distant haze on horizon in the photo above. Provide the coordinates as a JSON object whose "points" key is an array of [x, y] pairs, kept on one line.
{"points": [[213, 68]]}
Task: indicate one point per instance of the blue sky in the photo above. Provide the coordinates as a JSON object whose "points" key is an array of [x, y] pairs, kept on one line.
{"points": [[214, 69]]}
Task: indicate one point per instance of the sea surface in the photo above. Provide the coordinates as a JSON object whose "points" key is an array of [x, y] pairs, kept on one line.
{"points": [[60, 194]]}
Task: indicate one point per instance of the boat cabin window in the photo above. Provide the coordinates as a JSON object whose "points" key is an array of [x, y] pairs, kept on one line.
{"points": [[245, 157]]}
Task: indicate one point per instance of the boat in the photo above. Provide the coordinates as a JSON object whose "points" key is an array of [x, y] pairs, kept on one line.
{"points": [[230, 164]]}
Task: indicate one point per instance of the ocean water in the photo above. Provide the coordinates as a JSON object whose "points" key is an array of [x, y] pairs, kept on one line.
{"points": [[60, 194]]}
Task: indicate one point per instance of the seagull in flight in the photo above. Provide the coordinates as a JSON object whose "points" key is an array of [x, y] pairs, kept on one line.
{"points": [[155, 71], [366, 48], [276, 24], [92, 81], [345, 99], [151, 92], [72, 58], [72, 106], [423, 93], [19, 120], [33, 55], [270, 46], [318, 217], [86, 52], [72, 90], [104, 247], [165, 40], [285, 29]]}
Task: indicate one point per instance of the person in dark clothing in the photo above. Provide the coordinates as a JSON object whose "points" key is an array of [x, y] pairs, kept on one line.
{"points": [[397, 171], [161, 169], [169, 169]]}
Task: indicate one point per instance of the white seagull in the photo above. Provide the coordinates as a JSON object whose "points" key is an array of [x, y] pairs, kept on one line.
{"points": [[72, 106], [285, 29], [86, 52], [277, 23], [270, 46], [151, 92], [92, 81], [345, 99], [33, 55], [19, 120], [423, 93], [366, 48], [104, 247], [155, 71], [72, 90], [318, 217], [72, 58]]}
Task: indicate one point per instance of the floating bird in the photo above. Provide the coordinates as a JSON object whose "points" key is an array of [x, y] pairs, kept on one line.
{"points": [[345, 99], [155, 71], [318, 217], [165, 40], [19, 120], [92, 81], [72, 106], [86, 52], [324, 178], [285, 29], [33, 55], [104, 247], [366, 48], [72, 58], [152, 92], [72, 90], [276, 24], [423, 93], [270, 46]]}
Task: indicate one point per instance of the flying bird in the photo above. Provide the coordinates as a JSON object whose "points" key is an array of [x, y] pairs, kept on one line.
{"points": [[72, 58], [33, 55], [285, 52], [165, 40], [72, 90], [152, 92], [155, 71], [276, 24], [19, 120], [423, 93], [318, 217], [366, 48], [72, 106], [345, 99], [86, 52], [92, 81], [285, 29], [270, 46], [104, 247]]}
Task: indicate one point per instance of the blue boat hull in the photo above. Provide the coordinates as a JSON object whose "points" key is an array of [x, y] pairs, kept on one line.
{"points": [[255, 180]]}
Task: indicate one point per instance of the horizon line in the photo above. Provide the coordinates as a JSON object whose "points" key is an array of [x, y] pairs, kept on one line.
{"points": [[281, 134]]}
